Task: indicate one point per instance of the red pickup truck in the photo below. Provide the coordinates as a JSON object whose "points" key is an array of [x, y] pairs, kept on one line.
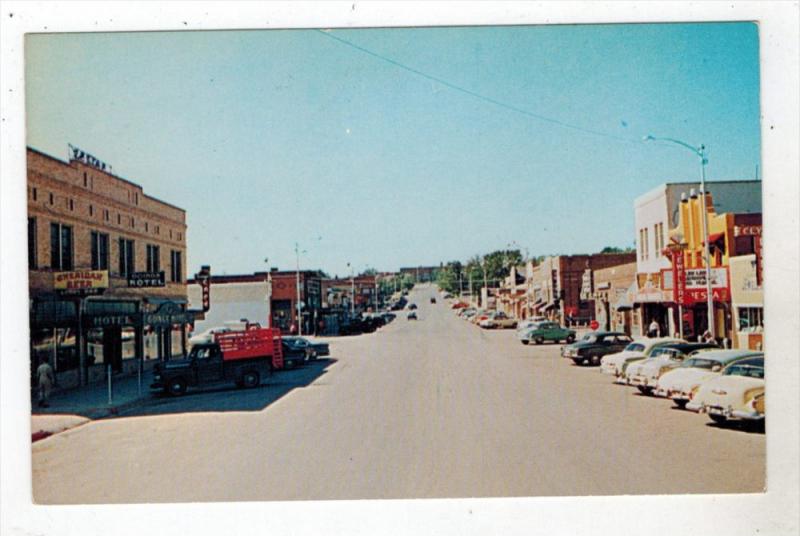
{"points": [[244, 357]]}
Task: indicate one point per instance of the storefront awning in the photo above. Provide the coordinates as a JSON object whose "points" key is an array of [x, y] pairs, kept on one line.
{"points": [[715, 237]]}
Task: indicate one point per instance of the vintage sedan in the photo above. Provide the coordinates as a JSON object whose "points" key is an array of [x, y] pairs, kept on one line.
{"points": [[644, 374], [737, 393], [498, 320], [683, 382], [546, 331], [639, 349], [316, 349], [593, 346]]}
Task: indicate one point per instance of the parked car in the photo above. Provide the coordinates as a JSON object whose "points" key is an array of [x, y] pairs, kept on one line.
{"points": [[638, 349], [498, 320], [433, 300], [480, 316], [593, 346], [459, 305], [644, 374], [299, 348], [412, 315], [737, 393], [315, 349], [526, 324], [681, 383], [546, 331]]}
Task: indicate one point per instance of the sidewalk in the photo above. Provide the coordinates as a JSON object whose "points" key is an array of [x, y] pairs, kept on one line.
{"points": [[92, 400]]}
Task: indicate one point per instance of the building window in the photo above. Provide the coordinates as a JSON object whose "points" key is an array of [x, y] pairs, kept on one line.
{"points": [[85, 180], [158, 229], [176, 270], [52, 201], [170, 233], [99, 251], [153, 258], [34, 194], [91, 210], [179, 237], [60, 247], [31, 243], [136, 196], [146, 227], [751, 318], [106, 215], [119, 219], [646, 243], [133, 222], [71, 204], [126, 257]]}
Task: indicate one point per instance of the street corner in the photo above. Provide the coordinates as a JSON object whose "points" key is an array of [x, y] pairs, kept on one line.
{"points": [[43, 426]]}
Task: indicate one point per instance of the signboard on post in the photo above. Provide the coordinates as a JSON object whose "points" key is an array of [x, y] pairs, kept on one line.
{"points": [[146, 279], [81, 282]]}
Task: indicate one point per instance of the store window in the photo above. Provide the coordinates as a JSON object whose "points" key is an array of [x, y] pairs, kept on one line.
{"points": [[751, 319], [60, 247], [153, 258], [99, 251], [126, 257]]}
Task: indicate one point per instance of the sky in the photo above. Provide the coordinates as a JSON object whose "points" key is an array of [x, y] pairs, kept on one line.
{"points": [[385, 148]]}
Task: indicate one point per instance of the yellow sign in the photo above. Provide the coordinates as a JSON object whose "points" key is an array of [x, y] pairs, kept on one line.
{"points": [[88, 281]]}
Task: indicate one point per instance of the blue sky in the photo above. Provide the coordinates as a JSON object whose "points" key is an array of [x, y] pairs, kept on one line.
{"points": [[271, 137]]}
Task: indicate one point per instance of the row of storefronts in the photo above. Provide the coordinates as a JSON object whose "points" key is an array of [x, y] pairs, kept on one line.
{"points": [[663, 283]]}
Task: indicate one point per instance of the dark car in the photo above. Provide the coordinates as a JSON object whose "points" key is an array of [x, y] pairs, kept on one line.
{"points": [[594, 345], [294, 352], [412, 316], [412, 306], [433, 300], [315, 349]]}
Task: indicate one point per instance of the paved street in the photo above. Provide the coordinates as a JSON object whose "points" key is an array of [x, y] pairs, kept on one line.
{"points": [[432, 408]]}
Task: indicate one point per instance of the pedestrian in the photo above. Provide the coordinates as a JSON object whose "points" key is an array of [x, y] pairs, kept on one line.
{"points": [[45, 379], [707, 337], [654, 330]]}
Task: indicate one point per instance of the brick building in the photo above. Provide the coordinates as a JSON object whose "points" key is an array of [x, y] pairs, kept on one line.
{"points": [[338, 293], [614, 289], [85, 221]]}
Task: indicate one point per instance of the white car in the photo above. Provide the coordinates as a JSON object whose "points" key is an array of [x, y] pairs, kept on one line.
{"points": [[639, 349], [682, 383], [737, 393], [644, 374], [207, 336], [526, 324]]}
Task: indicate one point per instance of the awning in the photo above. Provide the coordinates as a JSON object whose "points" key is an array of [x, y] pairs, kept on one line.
{"points": [[623, 304], [715, 237]]}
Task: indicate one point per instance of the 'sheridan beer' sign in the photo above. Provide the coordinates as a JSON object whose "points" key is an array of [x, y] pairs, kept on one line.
{"points": [[146, 279], [80, 282]]}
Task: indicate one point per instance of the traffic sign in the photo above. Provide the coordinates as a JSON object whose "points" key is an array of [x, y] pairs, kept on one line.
{"points": [[594, 324]]}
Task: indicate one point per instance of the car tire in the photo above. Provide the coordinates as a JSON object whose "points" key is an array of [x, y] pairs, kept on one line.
{"points": [[250, 379], [645, 390], [680, 403], [596, 360], [570, 339], [538, 340], [719, 419], [526, 342], [176, 387]]}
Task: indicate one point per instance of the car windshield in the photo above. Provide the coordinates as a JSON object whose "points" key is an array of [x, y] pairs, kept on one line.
{"points": [[634, 347], [589, 338], [671, 353], [741, 369], [700, 363]]}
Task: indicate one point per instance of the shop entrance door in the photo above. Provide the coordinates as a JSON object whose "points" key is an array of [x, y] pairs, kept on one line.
{"points": [[112, 347]]}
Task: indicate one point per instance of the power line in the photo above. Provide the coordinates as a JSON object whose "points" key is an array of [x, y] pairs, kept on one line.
{"points": [[478, 95]]}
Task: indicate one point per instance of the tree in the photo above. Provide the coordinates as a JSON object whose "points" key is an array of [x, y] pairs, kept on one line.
{"points": [[450, 277], [614, 249]]}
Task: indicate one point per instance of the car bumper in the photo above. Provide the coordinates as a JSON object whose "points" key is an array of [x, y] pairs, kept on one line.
{"points": [[611, 370], [747, 415], [641, 381], [696, 407]]}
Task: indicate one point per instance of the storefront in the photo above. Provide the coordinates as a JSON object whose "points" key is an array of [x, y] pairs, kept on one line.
{"points": [[747, 302], [86, 337]]}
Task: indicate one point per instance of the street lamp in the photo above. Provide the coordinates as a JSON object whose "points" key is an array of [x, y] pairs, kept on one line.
{"points": [[701, 153], [299, 313], [352, 290]]}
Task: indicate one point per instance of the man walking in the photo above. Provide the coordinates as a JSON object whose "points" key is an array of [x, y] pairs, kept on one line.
{"points": [[46, 379], [654, 330]]}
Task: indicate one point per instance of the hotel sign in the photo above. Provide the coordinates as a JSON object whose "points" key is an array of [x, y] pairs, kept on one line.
{"points": [[80, 282], [146, 279]]}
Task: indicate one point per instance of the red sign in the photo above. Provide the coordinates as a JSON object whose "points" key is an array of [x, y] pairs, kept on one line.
{"points": [[594, 324], [699, 295], [757, 245]]}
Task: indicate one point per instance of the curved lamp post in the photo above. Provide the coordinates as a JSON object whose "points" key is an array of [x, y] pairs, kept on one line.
{"points": [[701, 153]]}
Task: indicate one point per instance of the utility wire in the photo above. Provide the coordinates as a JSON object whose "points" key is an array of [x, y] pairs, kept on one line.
{"points": [[478, 95]]}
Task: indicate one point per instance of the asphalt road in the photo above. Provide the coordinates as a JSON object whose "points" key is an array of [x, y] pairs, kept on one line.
{"points": [[432, 408]]}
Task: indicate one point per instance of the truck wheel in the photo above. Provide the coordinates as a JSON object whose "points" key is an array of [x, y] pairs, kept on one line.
{"points": [[525, 341], [176, 387], [251, 378], [538, 340]]}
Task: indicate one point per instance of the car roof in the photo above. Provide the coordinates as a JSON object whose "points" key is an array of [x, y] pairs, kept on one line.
{"points": [[727, 356], [752, 361]]}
